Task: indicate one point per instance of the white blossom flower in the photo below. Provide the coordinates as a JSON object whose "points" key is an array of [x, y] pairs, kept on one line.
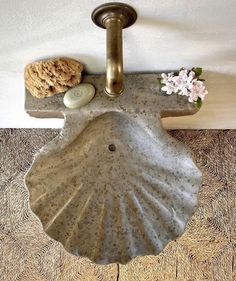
{"points": [[168, 88], [167, 77], [183, 82], [167, 80]]}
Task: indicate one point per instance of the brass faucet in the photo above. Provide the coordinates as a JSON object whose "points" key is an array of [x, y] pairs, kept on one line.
{"points": [[114, 17], [114, 73]]}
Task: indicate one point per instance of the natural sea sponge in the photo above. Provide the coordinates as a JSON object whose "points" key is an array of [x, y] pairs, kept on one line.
{"points": [[49, 77]]}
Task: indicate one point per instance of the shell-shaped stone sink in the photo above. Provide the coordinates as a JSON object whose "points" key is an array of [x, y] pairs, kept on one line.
{"points": [[114, 185]]}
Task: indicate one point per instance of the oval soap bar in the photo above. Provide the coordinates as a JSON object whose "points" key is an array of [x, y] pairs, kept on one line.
{"points": [[79, 96]]}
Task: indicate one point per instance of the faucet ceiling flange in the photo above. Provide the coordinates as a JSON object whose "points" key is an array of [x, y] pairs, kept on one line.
{"points": [[114, 17], [115, 10]]}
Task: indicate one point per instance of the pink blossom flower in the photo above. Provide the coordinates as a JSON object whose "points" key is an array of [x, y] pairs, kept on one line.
{"points": [[184, 84]]}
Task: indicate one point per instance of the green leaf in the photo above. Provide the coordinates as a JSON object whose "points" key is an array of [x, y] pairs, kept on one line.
{"points": [[197, 71], [198, 103], [201, 80]]}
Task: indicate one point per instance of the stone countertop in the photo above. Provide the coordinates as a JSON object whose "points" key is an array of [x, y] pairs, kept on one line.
{"points": [[141, 94]]}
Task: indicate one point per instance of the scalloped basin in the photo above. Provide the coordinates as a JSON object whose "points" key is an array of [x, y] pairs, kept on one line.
{"points": [[115, 191]]}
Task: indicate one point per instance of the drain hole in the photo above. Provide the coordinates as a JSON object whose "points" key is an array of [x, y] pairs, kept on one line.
{"points": [[112, 147]]}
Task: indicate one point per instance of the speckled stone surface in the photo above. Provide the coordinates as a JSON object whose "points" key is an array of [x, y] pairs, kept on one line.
{"points": [[113, 184]]}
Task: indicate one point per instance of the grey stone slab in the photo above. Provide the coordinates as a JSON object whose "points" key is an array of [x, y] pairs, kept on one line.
{"points": [[114, 184]]}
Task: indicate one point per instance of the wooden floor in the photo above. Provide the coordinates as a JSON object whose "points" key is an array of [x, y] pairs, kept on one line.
{"points": [[206, 251]]}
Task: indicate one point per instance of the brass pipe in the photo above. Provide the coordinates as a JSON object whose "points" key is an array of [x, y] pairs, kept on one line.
{"points": [[114, 17], [114, 65]]}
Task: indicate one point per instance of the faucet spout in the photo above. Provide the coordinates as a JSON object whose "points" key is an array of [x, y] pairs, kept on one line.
{"points": [[114, 73], [114, 17]]}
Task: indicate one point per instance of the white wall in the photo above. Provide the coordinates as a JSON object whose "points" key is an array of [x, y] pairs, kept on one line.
{"points": [[169, 34]]}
